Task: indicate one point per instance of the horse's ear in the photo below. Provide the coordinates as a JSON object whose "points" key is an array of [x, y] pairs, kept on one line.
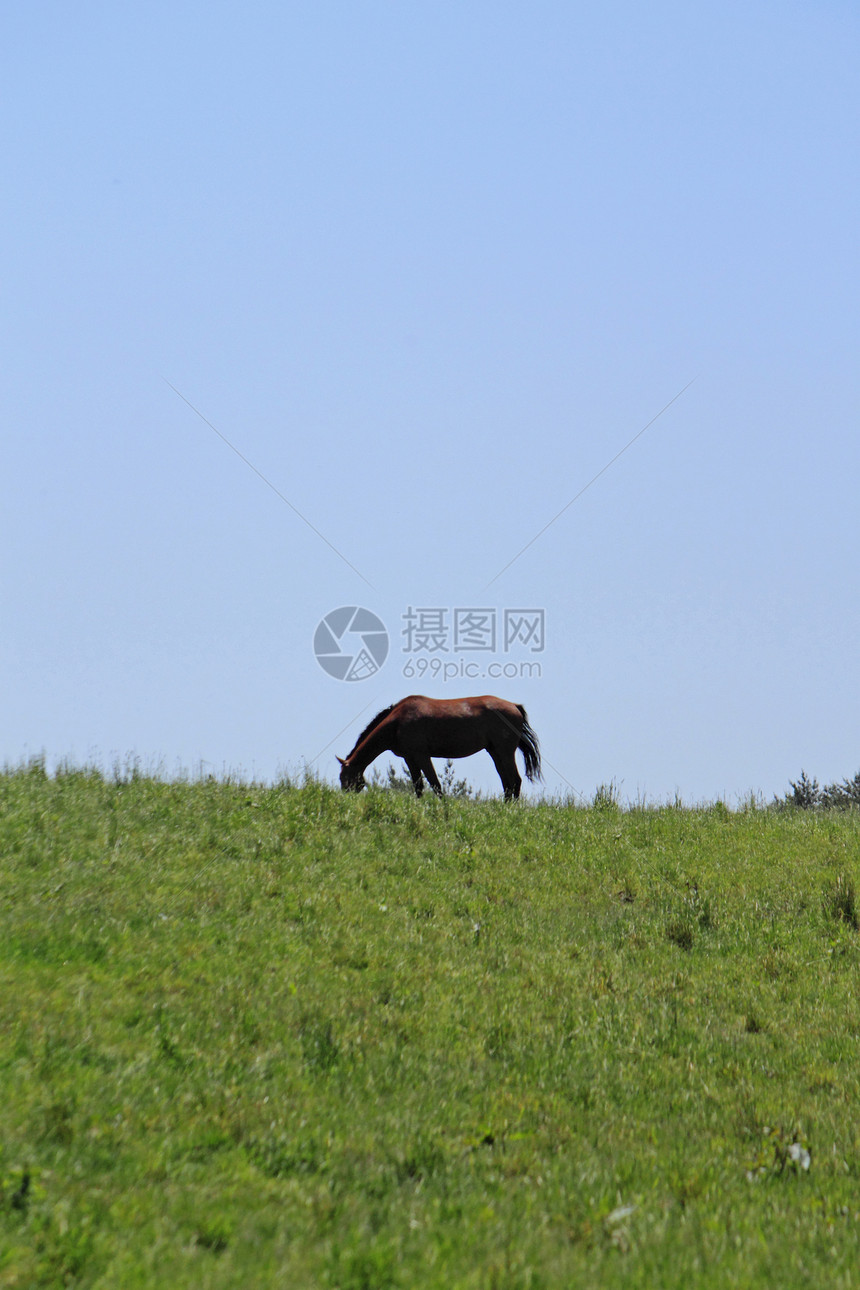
{"points": [[342, 760]]}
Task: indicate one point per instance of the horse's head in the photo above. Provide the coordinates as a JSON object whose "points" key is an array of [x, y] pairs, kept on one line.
{"points": [[351, 779]]}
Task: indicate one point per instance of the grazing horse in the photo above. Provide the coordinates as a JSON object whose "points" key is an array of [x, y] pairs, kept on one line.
{"points": [[418, 728]]}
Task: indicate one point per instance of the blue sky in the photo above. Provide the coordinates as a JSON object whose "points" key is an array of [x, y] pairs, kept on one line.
{"points": [[429, 268]]}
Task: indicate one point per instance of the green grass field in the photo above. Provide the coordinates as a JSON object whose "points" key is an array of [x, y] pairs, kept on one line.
{"points": [[286, 1037]]}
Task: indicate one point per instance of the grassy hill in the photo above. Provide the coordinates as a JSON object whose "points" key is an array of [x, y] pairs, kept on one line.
{"points": [[258, 1036]]}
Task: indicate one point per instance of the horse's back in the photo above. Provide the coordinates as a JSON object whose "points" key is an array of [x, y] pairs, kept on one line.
{"points": [[476, 706]]}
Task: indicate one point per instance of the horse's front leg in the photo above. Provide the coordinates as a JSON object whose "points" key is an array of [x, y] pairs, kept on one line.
{"points": [[431, 777], [417, 782]]}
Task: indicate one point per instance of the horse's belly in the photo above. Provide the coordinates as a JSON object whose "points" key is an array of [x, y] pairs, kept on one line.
{"points": [[453, 746]]}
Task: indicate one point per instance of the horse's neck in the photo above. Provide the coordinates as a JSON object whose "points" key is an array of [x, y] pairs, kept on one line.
{"points": [[378, 741]]}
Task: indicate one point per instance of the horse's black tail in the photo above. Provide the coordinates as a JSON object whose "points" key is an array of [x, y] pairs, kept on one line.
{"points": [[530, 748]]}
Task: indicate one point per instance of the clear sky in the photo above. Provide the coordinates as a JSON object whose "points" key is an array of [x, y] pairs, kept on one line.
{"points": [[429, 267]]}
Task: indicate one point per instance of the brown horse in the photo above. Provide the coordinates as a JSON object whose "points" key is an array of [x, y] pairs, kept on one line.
{"points": [[418, 728]]}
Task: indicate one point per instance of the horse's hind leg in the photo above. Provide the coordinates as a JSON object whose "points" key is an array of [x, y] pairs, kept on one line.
{"points": [[508, 774], [512, 788]]}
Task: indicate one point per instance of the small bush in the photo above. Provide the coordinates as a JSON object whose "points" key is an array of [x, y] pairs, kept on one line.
{"points": [[808, 795], [842, 795], [805, 793], [402, 782]]}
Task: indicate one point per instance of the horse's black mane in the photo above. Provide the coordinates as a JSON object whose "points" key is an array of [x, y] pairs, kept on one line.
{"points": [[371, 725]]}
